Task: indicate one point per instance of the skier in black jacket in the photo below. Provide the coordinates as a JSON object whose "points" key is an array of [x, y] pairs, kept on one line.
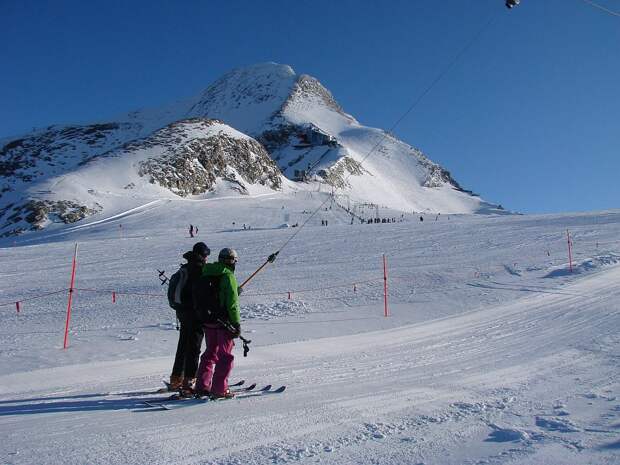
{"points": [[190, 337]]}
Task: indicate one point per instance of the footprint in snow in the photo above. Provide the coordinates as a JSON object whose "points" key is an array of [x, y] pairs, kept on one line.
{"points": [[500, 434], [556, 424]]}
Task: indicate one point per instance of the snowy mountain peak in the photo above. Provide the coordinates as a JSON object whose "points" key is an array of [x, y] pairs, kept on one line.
{"points": [[247, 98], [260, 97], [308, 87], [240, 135], [309, 101]]}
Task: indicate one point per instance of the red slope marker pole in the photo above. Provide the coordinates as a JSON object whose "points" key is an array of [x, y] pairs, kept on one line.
{"points": [[17, 306], [385, 296], [570, 252], [66, 342]]}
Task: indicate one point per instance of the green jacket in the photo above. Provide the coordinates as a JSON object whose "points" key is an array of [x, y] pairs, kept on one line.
{"points": [[229, 298]]}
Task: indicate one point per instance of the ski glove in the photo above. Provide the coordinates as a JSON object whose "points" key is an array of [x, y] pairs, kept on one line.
{"points": [[235, 330]]}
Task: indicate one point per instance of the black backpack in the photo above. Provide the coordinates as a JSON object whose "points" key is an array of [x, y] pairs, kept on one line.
{"points": [[176, 286], [206, 297]]}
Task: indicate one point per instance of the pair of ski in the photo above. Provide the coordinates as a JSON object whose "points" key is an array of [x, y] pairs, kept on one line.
{"points": [[169, 387], [176, 400]]}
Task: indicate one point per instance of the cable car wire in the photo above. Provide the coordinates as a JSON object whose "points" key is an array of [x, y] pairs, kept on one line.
{"points": [[602, 8], [415, 103]]}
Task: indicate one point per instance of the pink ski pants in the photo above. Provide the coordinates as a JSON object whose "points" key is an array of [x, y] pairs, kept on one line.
{"points": [[216, 362]]}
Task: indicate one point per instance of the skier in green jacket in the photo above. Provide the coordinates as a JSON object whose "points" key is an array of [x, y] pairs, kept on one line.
{"points": [[221, 326]]}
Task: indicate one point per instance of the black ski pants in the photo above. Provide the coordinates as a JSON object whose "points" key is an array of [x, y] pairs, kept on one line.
{"points": [[188, 348]]}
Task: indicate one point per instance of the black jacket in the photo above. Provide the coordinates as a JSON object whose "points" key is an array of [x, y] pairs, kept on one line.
{"points": [[194, 269]]}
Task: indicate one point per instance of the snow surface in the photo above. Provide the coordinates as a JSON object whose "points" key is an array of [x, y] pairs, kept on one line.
{"points": [[491, 354], [250, 100], [113, 181], [247, 97]]}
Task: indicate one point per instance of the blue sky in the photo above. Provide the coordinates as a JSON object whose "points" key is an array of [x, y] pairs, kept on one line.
{"points": [[529, 117]]}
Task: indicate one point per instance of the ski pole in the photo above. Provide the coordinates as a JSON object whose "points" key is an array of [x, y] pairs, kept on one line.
{"points": [[231, 328], [270, 259], [162, 276], [246, 347]]}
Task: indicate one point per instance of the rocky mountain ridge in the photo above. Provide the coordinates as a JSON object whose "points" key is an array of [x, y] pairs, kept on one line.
{"points": [[252, 127], [193, 166]]}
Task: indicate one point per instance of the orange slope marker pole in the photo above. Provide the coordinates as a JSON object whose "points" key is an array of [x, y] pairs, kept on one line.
{"points": [[385, 288], [570, 251], [68, 321]]}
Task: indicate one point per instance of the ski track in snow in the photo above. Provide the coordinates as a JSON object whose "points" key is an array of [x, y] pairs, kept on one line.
{"points": [[492, 354]]}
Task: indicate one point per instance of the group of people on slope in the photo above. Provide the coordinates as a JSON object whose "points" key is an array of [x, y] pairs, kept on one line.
{"points": [[218, 325]]}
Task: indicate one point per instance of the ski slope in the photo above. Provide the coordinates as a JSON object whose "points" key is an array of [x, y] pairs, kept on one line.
{"points": [[493, 352]]}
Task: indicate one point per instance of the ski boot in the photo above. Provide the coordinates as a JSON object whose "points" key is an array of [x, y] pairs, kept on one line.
{"points": [[227, 394], [176, 382], [189, 383], [202, 393], [186, 389]]}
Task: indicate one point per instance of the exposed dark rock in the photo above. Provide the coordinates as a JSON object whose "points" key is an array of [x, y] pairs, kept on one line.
{"points": [[280, 136], [192, 168], [38, 212], [28, 157], [437, 176], [338, 173], [307, 89]]}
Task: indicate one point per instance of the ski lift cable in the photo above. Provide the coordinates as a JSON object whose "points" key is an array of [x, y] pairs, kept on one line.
{"points": [[415, 103], [602, 8], [439, 77]]}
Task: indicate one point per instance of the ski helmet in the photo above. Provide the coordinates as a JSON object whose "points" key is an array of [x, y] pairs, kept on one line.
{"points": [[200, 248], [227, 255]]}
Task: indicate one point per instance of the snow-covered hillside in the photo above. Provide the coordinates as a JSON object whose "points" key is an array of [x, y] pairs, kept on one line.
{"points": [[311, 137], [47, 175], [493, 353], [191, 157]]}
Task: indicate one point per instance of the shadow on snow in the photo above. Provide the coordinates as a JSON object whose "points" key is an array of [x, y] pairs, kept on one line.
{"points": [[78, 403]]}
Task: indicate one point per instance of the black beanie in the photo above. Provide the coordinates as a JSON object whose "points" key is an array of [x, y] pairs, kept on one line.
{"points": [[200, 248]]}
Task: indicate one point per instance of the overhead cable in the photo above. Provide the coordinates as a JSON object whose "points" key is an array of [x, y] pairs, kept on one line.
{"points": [[602, 8], [415, 103]]}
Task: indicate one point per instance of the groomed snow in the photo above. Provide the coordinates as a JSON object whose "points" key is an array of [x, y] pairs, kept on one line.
{"points": [[492, 353]]}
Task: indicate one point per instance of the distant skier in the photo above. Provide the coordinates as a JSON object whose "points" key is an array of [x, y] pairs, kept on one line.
{"points": [[421, 218], [221, 326], [191, 230], [190, 336]]}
